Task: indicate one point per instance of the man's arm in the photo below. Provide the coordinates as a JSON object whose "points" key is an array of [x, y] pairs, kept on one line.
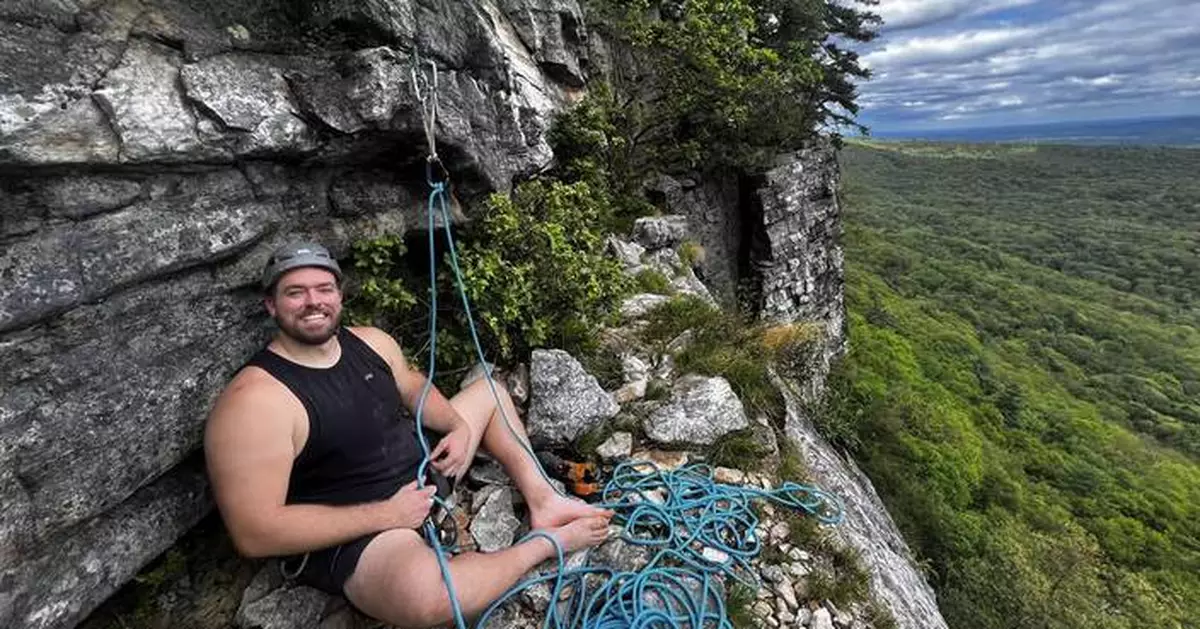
{"points": [[249, 448]]}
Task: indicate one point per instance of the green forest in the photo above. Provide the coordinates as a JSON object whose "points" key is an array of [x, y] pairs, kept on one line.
{"points": [[1023, 383]]}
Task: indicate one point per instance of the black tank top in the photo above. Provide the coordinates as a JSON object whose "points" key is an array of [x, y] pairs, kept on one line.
{"points": [[362, 444]]}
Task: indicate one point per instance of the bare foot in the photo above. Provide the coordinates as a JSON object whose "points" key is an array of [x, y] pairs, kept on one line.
{"points": [[558, 510], [580, 533]]}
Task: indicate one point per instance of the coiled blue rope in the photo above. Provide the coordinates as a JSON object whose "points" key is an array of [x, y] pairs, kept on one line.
{"points": [[682, 513], [705, 534]]}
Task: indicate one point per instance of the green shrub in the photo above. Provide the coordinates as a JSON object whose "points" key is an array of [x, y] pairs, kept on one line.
{"points": [[739, 606], [379, 293], [731, 346], [691, 253], [536, 272], [738, 449], [651, 281]]}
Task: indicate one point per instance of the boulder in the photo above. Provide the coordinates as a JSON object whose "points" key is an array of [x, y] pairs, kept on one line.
{"points": [[700, 411], [565, 401], [660, 232]]}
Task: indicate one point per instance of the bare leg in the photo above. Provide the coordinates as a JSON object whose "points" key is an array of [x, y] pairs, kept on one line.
{"points": [[398, 579], [547, 508]]}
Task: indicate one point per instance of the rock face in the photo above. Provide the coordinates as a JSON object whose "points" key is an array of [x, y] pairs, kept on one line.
{"points": [[151, 153], [800, 262], [867, 525], [773, 238]]}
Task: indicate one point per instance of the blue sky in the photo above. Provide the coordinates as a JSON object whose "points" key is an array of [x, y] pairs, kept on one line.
{"points": [[941, 64]]}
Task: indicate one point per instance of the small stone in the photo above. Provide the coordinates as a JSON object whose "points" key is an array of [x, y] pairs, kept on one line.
{"points": [[617, 446], [656, 496], [803, 617], [629, 254], [768, 510], [801, 588], [536, 597], [762, 609], [786, 548], [773, 574], [714, 556], [785, 617], [772, 622], [495, 525], [566, 401], [701, 410], [729, 476], [634, 369], [802, 555], [666, 367], [787, 593], [821, 619], [681, 342], [630, 391], [663, 460], [660, 232], [840, 618], [780, 531], [799, 570], [285, 607], [481, 497], [517, 381]]}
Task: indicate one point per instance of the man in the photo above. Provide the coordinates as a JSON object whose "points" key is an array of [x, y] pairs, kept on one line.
{"points": [[312, 453]]}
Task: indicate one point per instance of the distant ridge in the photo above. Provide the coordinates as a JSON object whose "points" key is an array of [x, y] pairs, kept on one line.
{"points": [[1178, 131]]}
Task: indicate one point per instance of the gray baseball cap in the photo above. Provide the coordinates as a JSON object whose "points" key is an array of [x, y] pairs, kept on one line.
{"points": [[295, 255]]}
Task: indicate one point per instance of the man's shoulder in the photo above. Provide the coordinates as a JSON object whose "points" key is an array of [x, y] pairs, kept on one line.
{"points": [[378, 340], [253, 386]]}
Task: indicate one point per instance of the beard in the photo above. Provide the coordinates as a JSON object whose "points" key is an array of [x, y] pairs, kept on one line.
{"points": [[295, 329]]}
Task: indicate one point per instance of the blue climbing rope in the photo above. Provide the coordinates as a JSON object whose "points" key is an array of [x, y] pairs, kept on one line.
{"points": [[704, 533]]}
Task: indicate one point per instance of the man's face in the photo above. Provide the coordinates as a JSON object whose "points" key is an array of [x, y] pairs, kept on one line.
{"points": [[307, 305]]}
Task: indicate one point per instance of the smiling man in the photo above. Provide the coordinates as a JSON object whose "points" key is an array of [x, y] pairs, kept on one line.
{"points": [[312, 452]]}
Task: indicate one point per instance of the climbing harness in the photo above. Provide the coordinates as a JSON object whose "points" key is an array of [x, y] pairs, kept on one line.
{"points": [[702, 533]]}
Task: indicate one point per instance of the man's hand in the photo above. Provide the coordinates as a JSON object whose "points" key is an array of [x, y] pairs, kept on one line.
{"points": [[450, 455], [408, 507]]}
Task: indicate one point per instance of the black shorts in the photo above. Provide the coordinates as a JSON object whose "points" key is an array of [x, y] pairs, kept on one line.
{"points": [[328, 569]]}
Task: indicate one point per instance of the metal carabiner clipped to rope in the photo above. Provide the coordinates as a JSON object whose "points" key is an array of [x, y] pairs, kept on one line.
{"points": [[426, 90]]}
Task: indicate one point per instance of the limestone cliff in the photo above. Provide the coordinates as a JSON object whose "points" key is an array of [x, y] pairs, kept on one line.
{"points": [[153, 151]]}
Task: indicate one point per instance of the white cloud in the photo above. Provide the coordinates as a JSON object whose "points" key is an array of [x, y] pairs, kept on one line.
{"points": [[905, 14], [1045, 58], [953, 47]]}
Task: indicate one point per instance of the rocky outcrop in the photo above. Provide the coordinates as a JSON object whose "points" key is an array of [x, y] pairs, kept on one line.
{"points": [[799, 259], [151, 153], [867, 526]]}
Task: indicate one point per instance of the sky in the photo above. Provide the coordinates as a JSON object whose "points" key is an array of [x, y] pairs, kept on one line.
{"points": [[943, 64]]}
